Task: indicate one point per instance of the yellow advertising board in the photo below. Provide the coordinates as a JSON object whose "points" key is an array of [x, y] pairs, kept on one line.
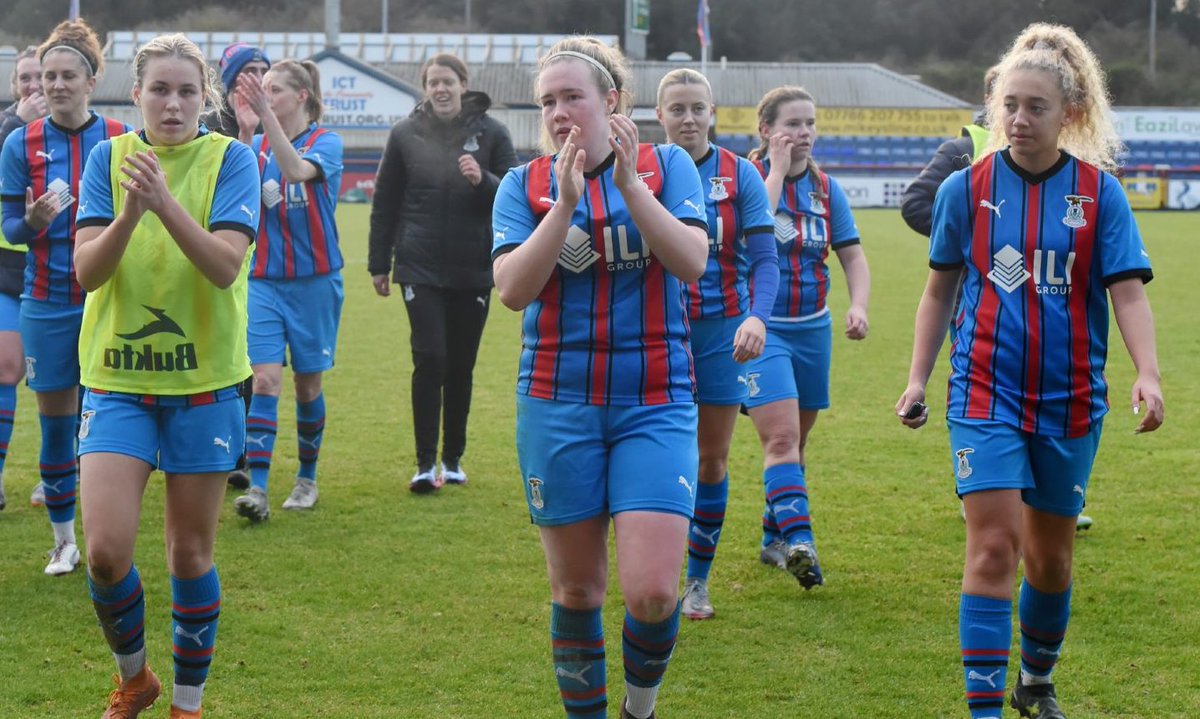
{"points": [[1145, 192], [858, 121]]}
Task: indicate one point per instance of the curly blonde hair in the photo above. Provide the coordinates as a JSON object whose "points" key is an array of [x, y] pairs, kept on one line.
{"points": [[1060, 53]]}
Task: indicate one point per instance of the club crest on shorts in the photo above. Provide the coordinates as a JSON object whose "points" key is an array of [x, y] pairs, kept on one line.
{"points": [[535, 493], [964, 468], [30, 367], [718, 191], [85, 422], [1074, 217]]}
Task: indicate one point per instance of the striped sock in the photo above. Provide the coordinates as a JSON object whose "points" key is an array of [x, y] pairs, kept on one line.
{"points": [[770, 529], [788, 498], [705, 531], [985, 633], [1043, 620], [577, 645], [58, 473], [310, 428], [8, 409], [647, 649], [196, 608], [121, 610], [261, 425]]}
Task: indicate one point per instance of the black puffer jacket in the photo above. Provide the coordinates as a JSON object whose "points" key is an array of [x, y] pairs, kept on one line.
{"points": [[426, 217], [916, 204]]}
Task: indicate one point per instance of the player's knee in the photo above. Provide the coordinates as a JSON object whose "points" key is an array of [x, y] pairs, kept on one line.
{"points": [[994, 556], [579, 595], [652, 604], [780, 443], [12, 368], [189, 556], [105, 564], [1049, 571], [712, 469], [266, 381]]}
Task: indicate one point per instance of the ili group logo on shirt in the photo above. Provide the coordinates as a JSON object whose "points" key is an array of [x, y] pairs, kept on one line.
{"points": [[577, 253], [1008, 269]]}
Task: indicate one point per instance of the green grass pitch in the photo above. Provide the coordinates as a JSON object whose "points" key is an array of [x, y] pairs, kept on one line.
{"points": [[384, 604]]}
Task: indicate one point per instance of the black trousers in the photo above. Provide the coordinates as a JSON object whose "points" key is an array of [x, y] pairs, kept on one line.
{"points": [[447, 325]]}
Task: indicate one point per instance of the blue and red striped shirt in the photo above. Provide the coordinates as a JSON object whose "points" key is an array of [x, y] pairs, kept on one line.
{"points": [[1031, 339], [736, 208], [610, 326], [813, 217], [47, 157], [298, 236]]}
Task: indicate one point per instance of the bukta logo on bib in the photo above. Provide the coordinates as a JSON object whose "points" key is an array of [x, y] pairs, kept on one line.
{"points": [[146, 358]]}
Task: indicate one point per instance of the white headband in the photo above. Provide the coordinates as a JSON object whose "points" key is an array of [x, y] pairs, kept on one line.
{"points": [[87, 63], [586, 58]]}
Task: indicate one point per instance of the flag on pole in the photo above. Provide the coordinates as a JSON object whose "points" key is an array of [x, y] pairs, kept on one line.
{"points": [[73, 12], [702, 24]]}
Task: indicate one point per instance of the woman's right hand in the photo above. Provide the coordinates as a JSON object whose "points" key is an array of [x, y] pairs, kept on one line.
{"points": [[913, 393], [41, 212], [780, 152], [32, 107], [568, 168], [382, 287]]}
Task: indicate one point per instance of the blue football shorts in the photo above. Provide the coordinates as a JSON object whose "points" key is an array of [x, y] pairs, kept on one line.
{"points": [[296, 319], [50, 336], [719, 379], [580, 460], [1051, 472], [794, 364], [182, 435]]}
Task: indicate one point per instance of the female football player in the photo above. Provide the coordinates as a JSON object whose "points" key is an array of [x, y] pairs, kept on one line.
{"points": [[296, 277], [1046, 238], [727, 328], [166, 217], [790, 381], [42, 164], [594, 242]]}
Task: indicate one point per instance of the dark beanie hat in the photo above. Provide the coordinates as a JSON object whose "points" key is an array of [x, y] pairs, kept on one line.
{"points": [[235, 57]]}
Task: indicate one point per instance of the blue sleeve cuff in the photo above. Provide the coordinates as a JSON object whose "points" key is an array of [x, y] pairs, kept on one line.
{"points": [[16, 230]]}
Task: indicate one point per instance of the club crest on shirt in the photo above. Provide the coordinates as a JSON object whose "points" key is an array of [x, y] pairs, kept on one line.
{"points": [[643, 176], [964, 468], [818, 202], [536, 500], [472, 143], [1074, 217], [719, 191]]}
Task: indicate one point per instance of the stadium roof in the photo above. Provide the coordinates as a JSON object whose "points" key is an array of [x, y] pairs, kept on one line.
{"points": [[734, 84]]}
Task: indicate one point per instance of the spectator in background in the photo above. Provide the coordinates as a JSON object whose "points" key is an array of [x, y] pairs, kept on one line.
{"points": [[916, 205], [29, 104], [235, 118], [431, 227]]}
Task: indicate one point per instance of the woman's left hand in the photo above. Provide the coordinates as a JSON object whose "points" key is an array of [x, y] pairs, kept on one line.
{"points": [[624, 144], [469, 167], [1147, 390], [749, 340], [856, 323], [147, 182]]}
